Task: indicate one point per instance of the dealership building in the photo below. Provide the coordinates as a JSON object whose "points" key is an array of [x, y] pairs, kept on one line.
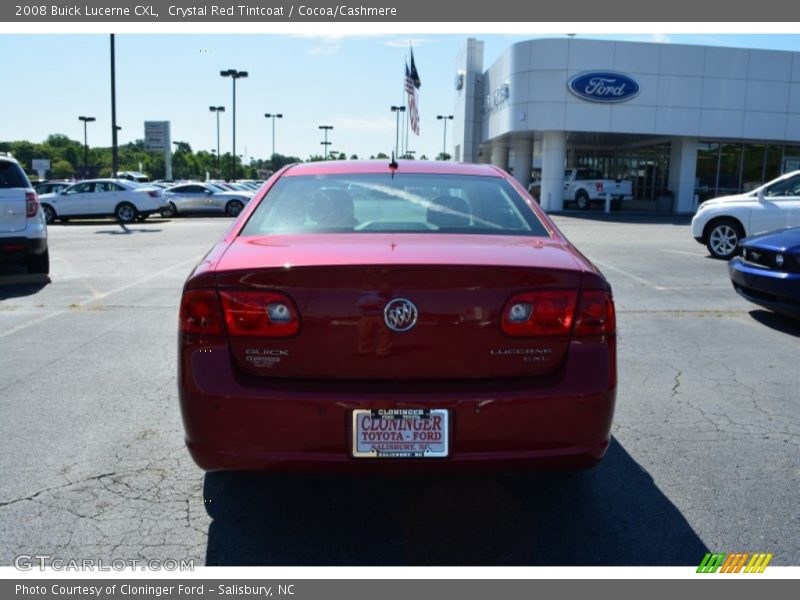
{"points": [[683, 123]]}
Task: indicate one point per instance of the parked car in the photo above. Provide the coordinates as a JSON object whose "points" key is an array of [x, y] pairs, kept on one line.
{"points": [[203, 198], [134, 176], [128, 201], [423, 316], [51, 187], [768, 271], [585, 187], [720, 223], [23, 231]]}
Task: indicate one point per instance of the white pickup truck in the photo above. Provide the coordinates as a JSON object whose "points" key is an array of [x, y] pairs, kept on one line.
{"points": [[587, 186]]}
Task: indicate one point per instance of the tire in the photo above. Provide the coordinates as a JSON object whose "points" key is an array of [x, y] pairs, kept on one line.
{"points": [[722, 238], [616, 204], [126, 212], [49, 214], [169, 211], [39, 263], [233, 208], [582, 200]]}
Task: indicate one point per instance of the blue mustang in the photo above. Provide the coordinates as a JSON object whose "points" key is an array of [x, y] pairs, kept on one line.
{"points": [[768, 271]]}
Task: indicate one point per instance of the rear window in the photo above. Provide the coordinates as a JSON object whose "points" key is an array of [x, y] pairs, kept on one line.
{"points": [[405, 203], [12, 176], [589, 174]]}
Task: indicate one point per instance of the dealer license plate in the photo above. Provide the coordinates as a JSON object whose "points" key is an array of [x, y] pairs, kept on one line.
{"points": [[400, 433]]}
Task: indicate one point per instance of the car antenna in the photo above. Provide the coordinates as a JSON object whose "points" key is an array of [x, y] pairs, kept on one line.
{"points": [[393, 165]]}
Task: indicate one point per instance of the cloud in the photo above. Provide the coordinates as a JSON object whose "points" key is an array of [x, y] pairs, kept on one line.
{"points": [[404, 42]]}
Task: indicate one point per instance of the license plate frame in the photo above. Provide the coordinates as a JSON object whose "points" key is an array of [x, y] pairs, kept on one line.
{"points": [[425, 433]]}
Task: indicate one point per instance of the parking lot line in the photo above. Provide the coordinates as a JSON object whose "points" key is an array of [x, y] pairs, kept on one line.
{"points": [[698, 255], [138, 281], [626, 274], [87, 301]]}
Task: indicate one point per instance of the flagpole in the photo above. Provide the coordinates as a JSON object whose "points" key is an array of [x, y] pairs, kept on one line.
{"points": [[408, 113], [403, 96]]}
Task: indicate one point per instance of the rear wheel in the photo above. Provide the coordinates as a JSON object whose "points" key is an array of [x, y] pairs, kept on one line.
{"points": [[39, 263], [169, 211], [722, 239], [49, 213], [582, 200], [126, 212], [233, 208]]}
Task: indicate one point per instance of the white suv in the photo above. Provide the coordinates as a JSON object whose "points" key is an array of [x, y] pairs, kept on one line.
{"points": [[23, 231], [722, 222]]}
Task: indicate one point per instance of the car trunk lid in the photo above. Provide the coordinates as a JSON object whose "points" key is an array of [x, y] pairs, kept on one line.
{"points": [[340, 285]]}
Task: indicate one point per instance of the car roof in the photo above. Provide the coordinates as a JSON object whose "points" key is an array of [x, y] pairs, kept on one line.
{"points": [[351, 167], [104, 180]]}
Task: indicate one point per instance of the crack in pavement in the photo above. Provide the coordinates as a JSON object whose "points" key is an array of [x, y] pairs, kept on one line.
{"points": [[55, 488]]}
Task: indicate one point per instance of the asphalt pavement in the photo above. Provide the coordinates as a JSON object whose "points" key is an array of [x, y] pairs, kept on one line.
{"points": [[705, 456]]}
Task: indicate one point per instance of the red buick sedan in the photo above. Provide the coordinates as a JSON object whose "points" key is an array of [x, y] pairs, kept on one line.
{"points": [[372, 315]]}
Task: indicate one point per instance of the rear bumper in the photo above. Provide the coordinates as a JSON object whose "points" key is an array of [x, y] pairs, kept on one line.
{"points": [[774, 290], [235, 422], [18, 249]]}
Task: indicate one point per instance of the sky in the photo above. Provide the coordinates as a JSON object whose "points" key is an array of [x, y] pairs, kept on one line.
{"points": [[348, 81]]}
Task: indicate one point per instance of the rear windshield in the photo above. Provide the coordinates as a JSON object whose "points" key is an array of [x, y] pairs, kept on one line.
{"points": [[11, 176], [405, 203]]}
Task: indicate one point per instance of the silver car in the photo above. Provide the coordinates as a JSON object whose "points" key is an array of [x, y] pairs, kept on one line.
{"points": [[23, 231], [203, 198]]}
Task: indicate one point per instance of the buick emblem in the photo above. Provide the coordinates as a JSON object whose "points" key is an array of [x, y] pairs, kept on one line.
{"points": [[400, 315]]}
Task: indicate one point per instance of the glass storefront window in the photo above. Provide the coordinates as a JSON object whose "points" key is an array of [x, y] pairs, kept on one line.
{"points": [[791, 158], [706, 174], [773, 163], [730, 162], [752, 166]]}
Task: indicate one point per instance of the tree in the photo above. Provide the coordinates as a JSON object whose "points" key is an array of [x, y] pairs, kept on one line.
{"points": [[62, 169], [443, 156], [354, 157], [381, 155]]}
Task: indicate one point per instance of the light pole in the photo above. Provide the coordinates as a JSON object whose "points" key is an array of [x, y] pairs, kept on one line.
{"points": [[397, 110], [86, 145], [234, 75], [217, 110], [326, 143], [444, 119], [273, 116], [114, 128]]}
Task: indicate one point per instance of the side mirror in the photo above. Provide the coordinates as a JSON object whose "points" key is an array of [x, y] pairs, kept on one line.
{"points": [[761, 195], [209, 192]]}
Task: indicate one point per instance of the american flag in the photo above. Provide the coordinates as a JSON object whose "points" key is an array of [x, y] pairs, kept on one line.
{"points": [[412, 84]]}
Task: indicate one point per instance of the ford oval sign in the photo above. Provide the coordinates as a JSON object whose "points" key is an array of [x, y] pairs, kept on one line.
{"points": [[603, 86]]}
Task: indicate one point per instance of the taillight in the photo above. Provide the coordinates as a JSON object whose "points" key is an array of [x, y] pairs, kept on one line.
{"points": [[598, 185], [31, 204], [536, 314], [595, 314], [200, 313], [259, 314]]}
